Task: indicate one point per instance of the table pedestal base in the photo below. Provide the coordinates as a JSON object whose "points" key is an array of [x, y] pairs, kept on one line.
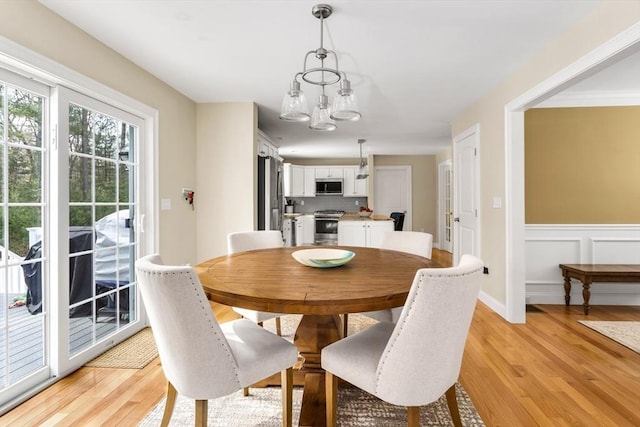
{"points": [[313, 334]]}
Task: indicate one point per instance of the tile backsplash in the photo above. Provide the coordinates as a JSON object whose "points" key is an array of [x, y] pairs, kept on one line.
{"points": [[312, 204]]}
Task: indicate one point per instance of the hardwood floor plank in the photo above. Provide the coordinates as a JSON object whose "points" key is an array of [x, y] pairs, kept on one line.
{"points": [[551, 371]]}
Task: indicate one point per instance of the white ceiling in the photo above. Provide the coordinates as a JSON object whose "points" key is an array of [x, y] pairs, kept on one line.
{"points": [[415, 65]]}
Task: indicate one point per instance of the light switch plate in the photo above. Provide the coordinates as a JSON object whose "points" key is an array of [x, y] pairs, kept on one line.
{"points": [[165, 204], [497, 202]]}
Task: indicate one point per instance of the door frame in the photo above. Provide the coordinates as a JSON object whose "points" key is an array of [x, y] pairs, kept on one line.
{"points": [[444, 168], [598, 58]]}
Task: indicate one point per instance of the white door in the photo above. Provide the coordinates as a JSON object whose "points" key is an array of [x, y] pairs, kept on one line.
{"points": [[466, 189], [392, 192], [445, 206]]}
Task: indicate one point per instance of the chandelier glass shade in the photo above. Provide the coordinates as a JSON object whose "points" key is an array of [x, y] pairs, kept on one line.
{"points": [[344, 106], [321, 117], [294, 105]]}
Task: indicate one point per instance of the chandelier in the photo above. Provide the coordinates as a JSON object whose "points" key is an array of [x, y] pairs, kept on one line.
{"points": [[344, 106]]}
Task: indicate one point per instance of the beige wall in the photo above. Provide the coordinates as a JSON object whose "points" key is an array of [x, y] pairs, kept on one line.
{"points": [[607, 20], [33, 26], [444, 156], [582, 165], [424, 189], [226, 167]]}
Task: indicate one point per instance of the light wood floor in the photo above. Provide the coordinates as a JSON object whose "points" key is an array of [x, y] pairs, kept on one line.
{"points": [[551, 371]]}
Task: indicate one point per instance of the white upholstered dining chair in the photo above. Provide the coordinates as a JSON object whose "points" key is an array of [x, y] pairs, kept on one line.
{"points": [[202, 359], [242, 241], [413, 242], [416, 360]]}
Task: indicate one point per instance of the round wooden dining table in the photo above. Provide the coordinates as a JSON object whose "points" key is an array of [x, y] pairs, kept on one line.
{"points": [[272, 280]]}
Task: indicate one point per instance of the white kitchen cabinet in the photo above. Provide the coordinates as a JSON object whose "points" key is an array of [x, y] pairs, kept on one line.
{"points": [[375, 230], [305, 230], [329, 172], [309, 181], [353, 187], [265, 147], [299, 181], [367, 233]]}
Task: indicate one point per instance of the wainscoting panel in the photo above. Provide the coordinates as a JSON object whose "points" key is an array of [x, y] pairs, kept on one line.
{"points": [[547, 246]]}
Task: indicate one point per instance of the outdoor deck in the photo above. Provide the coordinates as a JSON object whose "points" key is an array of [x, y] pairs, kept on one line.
{"points": [[26, 339]]}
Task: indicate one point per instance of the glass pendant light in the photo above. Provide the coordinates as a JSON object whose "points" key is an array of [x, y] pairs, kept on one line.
{"points": [[321, 119], [362, 171], [294, 105], [320, 73], [345, 104]]}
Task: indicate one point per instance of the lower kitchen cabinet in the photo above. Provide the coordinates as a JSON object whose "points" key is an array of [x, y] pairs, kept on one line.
{"points": [[362, 233], [305, 230]]}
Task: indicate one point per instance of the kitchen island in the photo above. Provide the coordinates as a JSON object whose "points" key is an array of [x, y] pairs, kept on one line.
{"points": [[355, 230]]}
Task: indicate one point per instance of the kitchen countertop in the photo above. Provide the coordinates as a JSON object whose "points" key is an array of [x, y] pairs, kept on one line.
{"points": [[353, 216], [348, 216]]}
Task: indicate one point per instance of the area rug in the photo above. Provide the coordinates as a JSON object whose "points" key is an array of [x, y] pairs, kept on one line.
{"points": [[355, 409], [626, 333], [289, 324], [133, 353]]}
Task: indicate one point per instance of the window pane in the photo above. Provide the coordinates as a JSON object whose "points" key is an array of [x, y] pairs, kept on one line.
{"points": [[80, 178], [80, 137], [125, 182], [80, 216], [2, 167], [2, 96], [25, 118], [25, 174], [105, 181], [25, 223]]}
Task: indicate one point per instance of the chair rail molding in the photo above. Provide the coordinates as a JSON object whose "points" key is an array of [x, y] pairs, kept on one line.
{"points": [[548, 245]]}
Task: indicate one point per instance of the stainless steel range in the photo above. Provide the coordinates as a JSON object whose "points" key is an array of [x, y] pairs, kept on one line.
{"points": [[326, 233]]}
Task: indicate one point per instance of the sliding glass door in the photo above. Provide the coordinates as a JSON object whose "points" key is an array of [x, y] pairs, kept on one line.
{"points": [[69, 186]]}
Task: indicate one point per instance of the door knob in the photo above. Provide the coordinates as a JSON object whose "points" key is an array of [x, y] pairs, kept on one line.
{"points": [[456, 219]]}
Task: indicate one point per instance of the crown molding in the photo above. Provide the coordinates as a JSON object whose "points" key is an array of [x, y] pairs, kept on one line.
{"points": [[592, 99]]}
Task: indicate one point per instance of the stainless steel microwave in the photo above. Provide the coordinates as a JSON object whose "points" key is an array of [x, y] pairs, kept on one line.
{"points": [[328, 187]]}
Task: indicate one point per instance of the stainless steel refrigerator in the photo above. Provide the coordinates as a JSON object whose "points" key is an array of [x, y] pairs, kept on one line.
{"points": [[270, 193]]}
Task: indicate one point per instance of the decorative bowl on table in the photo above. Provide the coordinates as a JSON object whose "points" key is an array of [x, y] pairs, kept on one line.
{"points": [[365, 214], [323, 258]]}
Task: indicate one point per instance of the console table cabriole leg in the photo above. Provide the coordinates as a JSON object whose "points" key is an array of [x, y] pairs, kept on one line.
{"points": [[586, 294], [567, 290]]}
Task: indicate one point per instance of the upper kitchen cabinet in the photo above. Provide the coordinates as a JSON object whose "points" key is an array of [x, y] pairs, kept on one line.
{"points": [[266, 148], [353, 187], [299, 181], [329, 172]]}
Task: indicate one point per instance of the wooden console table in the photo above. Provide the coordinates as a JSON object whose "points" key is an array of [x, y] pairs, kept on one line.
{"points": [[589, 273]]}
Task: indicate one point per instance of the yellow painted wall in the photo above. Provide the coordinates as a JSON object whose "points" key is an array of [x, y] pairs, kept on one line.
{"points": [[582, 165]]}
